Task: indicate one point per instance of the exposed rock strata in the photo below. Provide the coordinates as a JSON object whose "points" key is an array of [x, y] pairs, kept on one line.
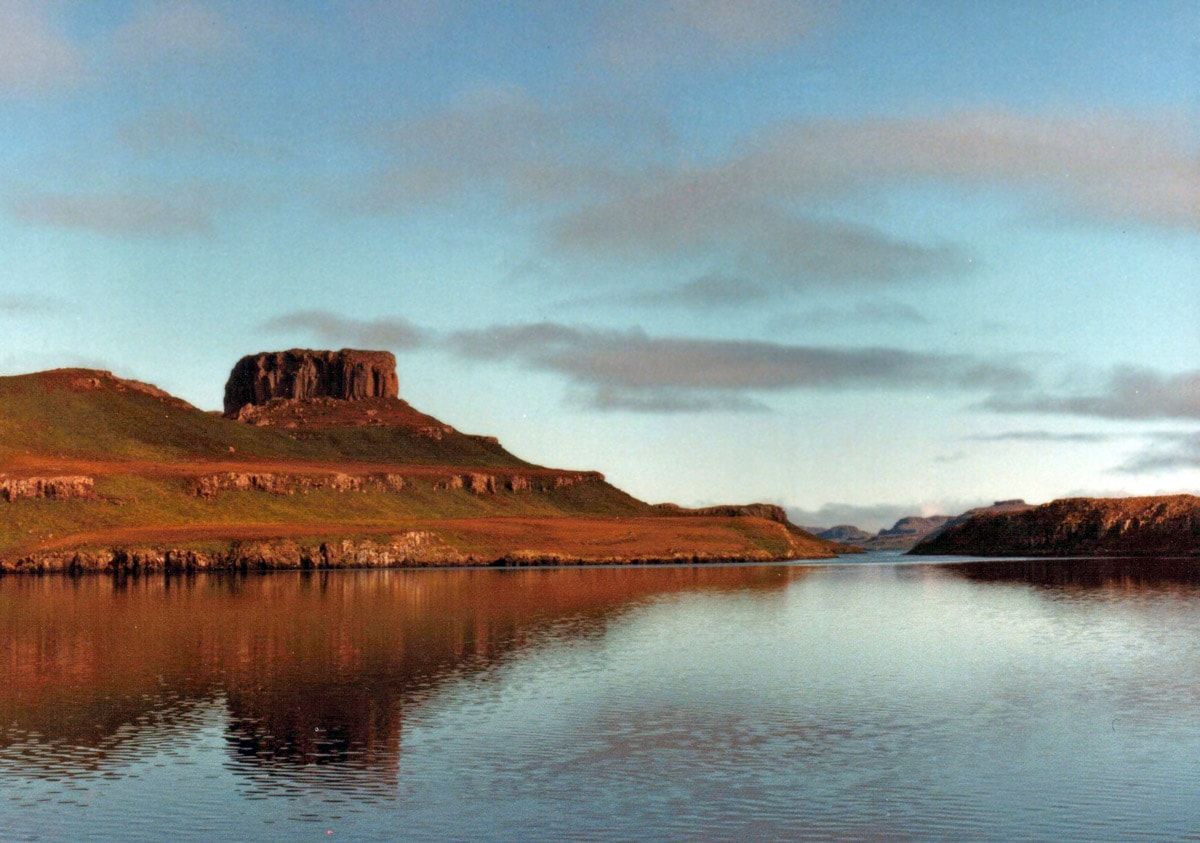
{"points": [[290, 484], [56, 488], [413, 549], [304, 374], [488, 484], [1167, 525]]}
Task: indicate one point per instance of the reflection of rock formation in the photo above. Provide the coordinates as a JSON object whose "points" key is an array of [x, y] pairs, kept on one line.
{"points": [[316, 668], [1109, 573], [298, 732]]}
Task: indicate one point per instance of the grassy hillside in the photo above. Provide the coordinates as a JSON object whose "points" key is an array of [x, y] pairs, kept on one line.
{"points": [[91, 415], [145, 456]]}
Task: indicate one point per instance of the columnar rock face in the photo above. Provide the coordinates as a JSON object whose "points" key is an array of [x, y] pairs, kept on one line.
{"points": [[303, 374]]}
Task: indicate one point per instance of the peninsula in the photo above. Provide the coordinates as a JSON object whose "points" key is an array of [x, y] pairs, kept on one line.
{"points": [[1164, 525], [316, 462]]}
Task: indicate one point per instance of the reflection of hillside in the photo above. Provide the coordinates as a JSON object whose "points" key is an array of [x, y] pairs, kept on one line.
{"points": [[1117, 574], [315, 668]]}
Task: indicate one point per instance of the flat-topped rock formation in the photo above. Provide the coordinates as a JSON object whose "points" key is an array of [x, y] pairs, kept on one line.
{"points": [[304, 375]]}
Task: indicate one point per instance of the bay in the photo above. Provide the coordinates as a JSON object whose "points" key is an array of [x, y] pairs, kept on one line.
{"points": [[971, 700]]}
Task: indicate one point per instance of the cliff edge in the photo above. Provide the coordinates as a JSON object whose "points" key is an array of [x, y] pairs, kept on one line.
{"points": [[304, 375], [1166, 525]]}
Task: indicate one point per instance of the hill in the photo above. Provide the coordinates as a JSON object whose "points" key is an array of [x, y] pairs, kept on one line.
{"points": [[102, 473], [1145, 526]]}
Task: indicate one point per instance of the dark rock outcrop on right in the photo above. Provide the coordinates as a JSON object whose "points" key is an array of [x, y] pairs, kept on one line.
{"points": [[1148, 526], [305, 375]]}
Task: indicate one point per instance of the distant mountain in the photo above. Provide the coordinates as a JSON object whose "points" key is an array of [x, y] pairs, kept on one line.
{"points": [[844, 534], [1144, 526], [907, 532]]}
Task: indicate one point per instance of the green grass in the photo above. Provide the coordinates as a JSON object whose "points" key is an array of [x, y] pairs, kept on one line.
{"points": [[41, 415]]}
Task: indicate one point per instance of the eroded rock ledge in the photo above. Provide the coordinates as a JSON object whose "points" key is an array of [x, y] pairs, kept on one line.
{"points": [[290, 484], [56, 488], [412, 549]]}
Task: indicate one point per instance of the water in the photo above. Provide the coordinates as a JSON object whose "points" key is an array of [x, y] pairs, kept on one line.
{"points": [[982, 701]]}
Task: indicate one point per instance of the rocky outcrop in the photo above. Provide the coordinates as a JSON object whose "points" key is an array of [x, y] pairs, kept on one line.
{"points": [[290, 484], [411, 549], [488, 484], [304, 374], [1164, 526], [415, 548], [55, 488]]}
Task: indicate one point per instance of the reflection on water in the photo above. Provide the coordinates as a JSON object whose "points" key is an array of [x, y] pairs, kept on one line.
{"points": [[313, 668], [1150, 574], [1047, 699]]}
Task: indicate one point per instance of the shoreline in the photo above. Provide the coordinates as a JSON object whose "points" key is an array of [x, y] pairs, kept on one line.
{"points": [[414, 550]]}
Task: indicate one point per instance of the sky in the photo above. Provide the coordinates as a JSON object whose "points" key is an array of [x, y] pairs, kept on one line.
{"points": [[860, 259]]}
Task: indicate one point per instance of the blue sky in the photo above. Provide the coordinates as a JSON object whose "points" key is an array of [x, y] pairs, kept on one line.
{"points": [[860, 259]]}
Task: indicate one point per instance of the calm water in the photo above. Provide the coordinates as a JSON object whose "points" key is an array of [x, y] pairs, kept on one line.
{"points": [[1050, 700]]}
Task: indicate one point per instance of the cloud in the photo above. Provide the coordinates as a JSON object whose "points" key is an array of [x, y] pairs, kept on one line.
{"points": [[498, 137], [120, 215], [170, 30], [29, 304], [875, 311], [1130, 393], [705, 292], [1169, 451], [332, 329], [35, 57], [1039, 436], [638, 37], [1104, 164], [736, 232], [631, 370]]}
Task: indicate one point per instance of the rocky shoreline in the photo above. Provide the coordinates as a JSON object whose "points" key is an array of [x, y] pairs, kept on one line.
{"points": [[414, 549]]}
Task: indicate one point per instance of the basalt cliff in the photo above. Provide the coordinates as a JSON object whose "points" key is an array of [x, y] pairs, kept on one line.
{"points": [[1145, 526], [304, 375], [316, 462]]}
